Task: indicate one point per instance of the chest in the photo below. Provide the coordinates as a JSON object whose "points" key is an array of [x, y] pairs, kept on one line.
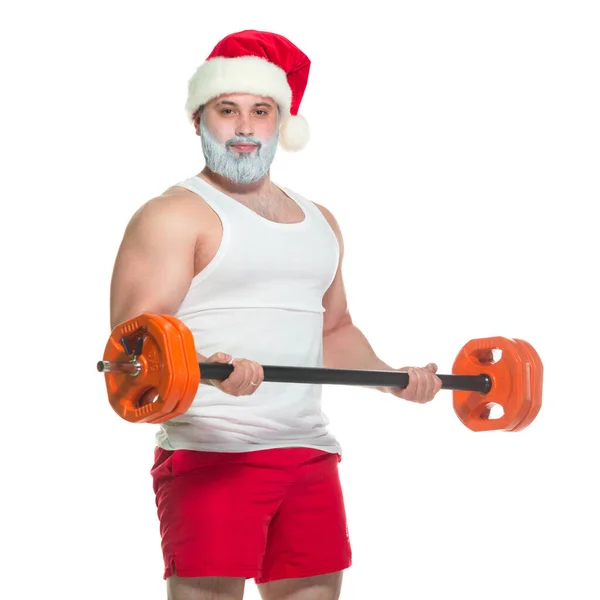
{"points": [[282, 210], [209, 239]]}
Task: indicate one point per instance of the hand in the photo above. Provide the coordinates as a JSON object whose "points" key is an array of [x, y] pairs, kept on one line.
{"points": [[245, 379], [423, 384]]}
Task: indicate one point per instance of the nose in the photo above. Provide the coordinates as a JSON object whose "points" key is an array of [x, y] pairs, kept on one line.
{"points": [[244, 126]]}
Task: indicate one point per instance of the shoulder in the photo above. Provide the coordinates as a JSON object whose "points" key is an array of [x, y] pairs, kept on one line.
{"points": [[326, 213], [176, 207], [335, 227], [333, 222]]}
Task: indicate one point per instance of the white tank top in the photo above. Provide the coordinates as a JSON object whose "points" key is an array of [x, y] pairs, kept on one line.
{"points": [[259, 298]]}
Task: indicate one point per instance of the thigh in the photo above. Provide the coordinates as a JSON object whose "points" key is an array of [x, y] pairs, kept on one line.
{"points": [[214, 510], [205, 588], [320, 587], [308, 536]]}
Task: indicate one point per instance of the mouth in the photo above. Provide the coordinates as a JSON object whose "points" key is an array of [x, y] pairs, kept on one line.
{"points": [[244, 147]]}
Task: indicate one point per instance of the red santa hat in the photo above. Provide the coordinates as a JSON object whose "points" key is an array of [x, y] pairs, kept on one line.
{"points": [[261, 63]]}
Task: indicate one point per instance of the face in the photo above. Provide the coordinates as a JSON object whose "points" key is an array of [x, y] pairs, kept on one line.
{"points": [[239, 134]]}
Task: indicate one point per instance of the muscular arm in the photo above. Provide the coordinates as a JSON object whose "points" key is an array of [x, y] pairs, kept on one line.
{"points": [[155, 266], [155, 262], [344, 344]]}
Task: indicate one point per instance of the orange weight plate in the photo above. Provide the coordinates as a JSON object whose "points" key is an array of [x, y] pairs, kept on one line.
{"points": [[177, 349], [157, 388], [188, 365], [535, 376], [510, 388]]}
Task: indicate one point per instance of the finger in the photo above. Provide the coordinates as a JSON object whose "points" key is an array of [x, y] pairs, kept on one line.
{"points": [[248, 385], [414, 385], [219, 357], [429, 381], [435, 383], [252, 379], [244, 385], [247, 378], [432, 388], [257, 377], [424, 385], [232, 384]]}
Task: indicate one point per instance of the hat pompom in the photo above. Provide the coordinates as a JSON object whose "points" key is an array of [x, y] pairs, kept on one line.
{"points": [[294, 133]]}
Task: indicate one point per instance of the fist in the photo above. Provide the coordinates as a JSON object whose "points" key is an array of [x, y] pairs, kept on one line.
{"points": [[245, 379], [423, 384]]}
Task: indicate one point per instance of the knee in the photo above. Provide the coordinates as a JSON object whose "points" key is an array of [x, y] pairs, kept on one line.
{"points": [[318, 587], [205, 588]]}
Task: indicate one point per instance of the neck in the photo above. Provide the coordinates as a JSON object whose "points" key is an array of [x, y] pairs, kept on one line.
{"points": [[261, 189]]}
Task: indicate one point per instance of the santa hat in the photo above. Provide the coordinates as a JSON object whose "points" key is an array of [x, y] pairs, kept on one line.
{"points": [[261, 63]]}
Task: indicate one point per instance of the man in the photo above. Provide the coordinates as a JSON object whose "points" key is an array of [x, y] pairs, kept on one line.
{"points": [[246, 481]]}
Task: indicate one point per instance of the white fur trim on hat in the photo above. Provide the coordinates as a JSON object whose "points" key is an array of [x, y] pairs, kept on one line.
{"points": [[240, 75], [294, 132]]}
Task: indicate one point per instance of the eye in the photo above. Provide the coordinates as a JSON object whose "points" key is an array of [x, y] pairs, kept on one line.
{"points": [[225, 110]]}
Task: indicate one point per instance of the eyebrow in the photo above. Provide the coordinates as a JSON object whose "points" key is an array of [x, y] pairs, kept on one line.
{"points": [[230, 103]]}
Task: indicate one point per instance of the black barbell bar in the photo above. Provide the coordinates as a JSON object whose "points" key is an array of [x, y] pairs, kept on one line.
{"points": [[318, 375]]}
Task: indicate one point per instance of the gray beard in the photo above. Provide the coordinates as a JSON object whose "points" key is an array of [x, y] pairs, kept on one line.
{"points": [[248, 167]]}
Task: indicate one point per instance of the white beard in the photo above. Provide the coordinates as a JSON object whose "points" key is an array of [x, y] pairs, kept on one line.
{"points": [[245, 168]]}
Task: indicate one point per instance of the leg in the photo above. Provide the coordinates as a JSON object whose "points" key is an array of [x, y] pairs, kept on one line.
{"points": [[320, 587], [308, 546], [205, 588]]}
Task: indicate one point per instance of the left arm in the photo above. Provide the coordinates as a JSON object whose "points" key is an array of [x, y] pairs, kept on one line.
{"points": [[346, 347], [344, 344]]}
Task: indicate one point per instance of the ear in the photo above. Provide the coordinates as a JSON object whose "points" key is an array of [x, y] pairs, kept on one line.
{"points": [[197, 117]]}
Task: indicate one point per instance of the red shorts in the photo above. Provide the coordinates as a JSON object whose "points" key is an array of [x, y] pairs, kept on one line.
{"points": [[262, 515]]}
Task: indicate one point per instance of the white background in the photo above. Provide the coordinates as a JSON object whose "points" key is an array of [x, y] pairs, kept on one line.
{"points": [[457, 145]]}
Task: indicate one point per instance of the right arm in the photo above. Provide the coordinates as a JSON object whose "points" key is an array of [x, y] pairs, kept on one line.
{"points": [[153, 271], [155, 261]]}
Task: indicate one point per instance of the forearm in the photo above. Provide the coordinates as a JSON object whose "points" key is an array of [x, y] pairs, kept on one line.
{"points": [[347, 348]]}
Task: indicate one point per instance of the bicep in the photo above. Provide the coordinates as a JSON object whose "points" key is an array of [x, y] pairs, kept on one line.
{"points": [[154, 265]]}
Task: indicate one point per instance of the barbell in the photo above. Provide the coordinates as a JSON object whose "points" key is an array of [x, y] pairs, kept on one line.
{"points": [[152, 375]]}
